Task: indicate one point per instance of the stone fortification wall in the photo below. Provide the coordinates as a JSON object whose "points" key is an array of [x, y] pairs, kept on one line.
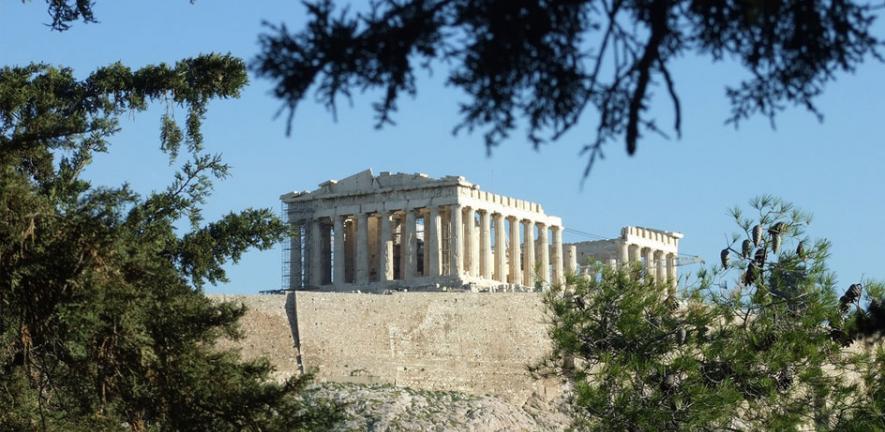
{"points": [[266, 332], [478, 343]]}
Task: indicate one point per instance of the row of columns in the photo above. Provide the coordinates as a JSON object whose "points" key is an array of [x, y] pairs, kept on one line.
{"points": [[467, 250], [661, 265]]}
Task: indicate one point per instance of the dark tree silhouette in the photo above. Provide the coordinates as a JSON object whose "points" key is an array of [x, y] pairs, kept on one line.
{"points": [[547, 62], [63, 12], [103, 321]]}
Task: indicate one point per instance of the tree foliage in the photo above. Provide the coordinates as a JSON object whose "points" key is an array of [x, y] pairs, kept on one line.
{"points": [[103, 325], [776, 350], [64, 12], [546, 65], [550, 62]]}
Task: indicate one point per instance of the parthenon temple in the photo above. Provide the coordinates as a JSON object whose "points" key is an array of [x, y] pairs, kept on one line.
{"points": [[368, 232]]}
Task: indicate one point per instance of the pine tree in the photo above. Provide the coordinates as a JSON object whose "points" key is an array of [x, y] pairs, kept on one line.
{"points": [[103, 323], [543, 67], [761, 343]]}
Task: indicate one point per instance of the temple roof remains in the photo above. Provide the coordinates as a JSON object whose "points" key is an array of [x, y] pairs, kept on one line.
{"points": [[365, 182]]}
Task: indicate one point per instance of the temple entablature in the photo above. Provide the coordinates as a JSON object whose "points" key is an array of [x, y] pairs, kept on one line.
{"points": [[667, 241]]}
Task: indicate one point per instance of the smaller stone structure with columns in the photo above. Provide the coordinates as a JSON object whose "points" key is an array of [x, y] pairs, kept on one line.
{"points": [[656, 250], [368, 232]]}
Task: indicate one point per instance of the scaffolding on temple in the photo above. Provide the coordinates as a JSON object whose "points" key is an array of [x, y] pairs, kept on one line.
{"points": [[286, 244], [293, 259]]}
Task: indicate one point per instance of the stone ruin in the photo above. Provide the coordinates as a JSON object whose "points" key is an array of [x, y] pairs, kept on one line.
{"points": [[656, 250], [410, 231]]}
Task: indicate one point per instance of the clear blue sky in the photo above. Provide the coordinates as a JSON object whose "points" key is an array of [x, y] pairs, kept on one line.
{"points": [[834, 169]]}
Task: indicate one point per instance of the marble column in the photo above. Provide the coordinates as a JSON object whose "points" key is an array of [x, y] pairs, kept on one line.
{"points": [[650, 262], [385, 263], [338, 253], [557, 256], [660, 267], [485, 245], [456, 247], [432, 241], [500, 255], [374, 249], [635, 253], [571, 260], [409, 247], [362, 249], [349, 250], [671, 270], [625, 253], [295, 266], [316, 254], [475, 249], [398, 226], [544, 249], [528, 236], [515, 254], [471, 258], [425, 255]]}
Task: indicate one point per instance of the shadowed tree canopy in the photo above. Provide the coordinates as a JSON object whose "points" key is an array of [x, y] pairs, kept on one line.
{"points": [[544, 64], [547, 63], [63, 12], [103, 323]]}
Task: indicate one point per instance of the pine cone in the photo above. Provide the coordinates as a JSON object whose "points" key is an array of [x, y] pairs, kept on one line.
{"points": [[750, 275], [760, 257], [757, 235], [853, 293], [746, 249], [778, 229], [776, 243]]}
